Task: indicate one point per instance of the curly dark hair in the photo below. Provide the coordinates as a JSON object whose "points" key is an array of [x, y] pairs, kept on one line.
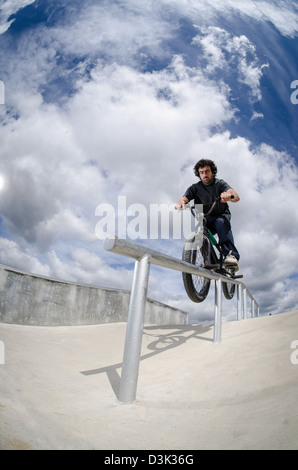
{"points": [[205, 162]]}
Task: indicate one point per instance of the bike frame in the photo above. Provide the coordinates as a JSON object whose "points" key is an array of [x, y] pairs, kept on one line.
{"points": [[201, 219], [217, 260]]}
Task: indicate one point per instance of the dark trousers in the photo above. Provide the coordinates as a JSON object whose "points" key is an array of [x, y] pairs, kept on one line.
{"points": [[222, 226]]}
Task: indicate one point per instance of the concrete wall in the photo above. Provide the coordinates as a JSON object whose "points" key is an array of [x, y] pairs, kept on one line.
{"points": [[28, 299]]}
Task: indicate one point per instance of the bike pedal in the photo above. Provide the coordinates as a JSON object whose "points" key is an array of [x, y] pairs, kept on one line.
{"points": [[232, 268]]}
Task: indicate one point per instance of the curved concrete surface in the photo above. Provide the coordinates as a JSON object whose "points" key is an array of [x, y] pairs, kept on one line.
{"points": [[28, 299], [59, 385]]}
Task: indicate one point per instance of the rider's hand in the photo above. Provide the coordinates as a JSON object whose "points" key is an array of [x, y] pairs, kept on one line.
{"points": [[225, 197], [181, 203]]}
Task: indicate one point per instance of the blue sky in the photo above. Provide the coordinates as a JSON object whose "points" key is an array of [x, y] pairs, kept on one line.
{"points": [[121, 98]]}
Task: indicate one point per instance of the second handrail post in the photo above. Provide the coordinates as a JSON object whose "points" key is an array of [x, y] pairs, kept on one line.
{"points": [[217, 311]]}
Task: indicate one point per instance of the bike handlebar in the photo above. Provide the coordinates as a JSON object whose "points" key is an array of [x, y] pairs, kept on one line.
{"points": [[215, 202], [188, 206]]}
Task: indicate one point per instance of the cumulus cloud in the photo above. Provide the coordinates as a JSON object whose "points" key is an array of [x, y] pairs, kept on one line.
{"points": [[50, 187], [9, 8], [129, 32], [228, 52], [283, 15], [127, 119], [17, 255]]}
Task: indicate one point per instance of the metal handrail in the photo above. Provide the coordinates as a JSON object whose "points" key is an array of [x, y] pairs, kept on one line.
{"points": [[144, 257], [133, 250]]}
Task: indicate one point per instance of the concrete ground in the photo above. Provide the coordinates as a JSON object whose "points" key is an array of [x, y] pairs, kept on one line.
{"points": [[59, 386]]}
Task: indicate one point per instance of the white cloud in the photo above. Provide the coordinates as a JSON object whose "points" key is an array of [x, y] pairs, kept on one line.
{"points": [[9, 8], [17, 255], [284, 15], [88, 268], [119, 30], [228, 52], [51, 189], [125, 120]]}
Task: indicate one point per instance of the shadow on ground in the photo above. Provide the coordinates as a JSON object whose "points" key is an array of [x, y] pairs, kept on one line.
{"points": [[164, 338]]}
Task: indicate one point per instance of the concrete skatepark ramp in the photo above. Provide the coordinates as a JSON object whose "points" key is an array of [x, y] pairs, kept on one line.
{"points": [[59, 385]]}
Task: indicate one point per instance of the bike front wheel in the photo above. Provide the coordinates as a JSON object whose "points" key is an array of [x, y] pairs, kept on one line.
{"points": [[196, 287], [228, 290]]}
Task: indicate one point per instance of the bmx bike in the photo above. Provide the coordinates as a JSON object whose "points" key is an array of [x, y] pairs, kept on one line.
{"points": [[203, 250]]}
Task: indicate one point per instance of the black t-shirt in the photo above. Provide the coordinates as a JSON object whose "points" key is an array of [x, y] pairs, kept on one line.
{"points": [[206, 195]]}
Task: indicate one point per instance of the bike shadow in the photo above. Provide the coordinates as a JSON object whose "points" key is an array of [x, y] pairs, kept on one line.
{"points": [[164, 338]]}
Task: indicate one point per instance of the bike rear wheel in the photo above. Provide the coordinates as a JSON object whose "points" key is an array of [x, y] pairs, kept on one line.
{"points": [[196, 287]]}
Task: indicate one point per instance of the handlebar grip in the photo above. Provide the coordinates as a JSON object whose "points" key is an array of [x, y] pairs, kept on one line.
{"points": [[219, 198]]}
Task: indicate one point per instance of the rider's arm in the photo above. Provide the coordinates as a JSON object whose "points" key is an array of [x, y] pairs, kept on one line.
{"points": [[180, 204], [226, 196]]}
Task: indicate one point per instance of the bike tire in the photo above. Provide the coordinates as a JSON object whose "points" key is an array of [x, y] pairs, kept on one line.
{"points": [[196, 287], [228, 290]]}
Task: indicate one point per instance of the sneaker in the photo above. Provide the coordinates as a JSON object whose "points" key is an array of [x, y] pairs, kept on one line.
{"points": [[231, 261]]}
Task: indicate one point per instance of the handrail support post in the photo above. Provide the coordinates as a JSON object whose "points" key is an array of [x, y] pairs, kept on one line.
{"points": [[218, 311], [245, 302], [134, 331], [239, 302]]}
